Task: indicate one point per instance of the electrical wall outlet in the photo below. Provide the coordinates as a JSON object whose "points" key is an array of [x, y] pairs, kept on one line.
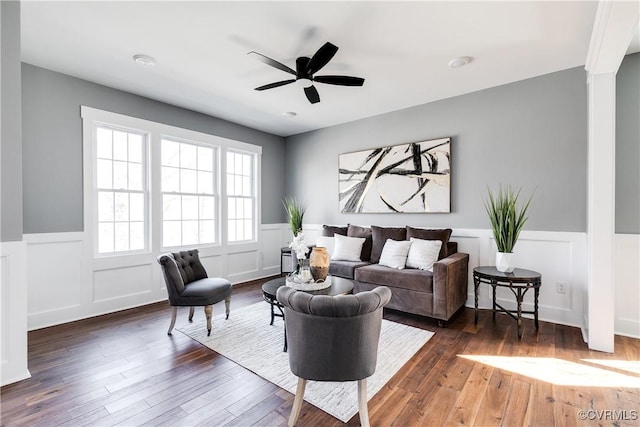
{"points": [[561, 287]]}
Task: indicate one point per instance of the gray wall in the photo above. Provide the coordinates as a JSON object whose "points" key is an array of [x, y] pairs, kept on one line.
{"points": [[52, 141], [10, 124], [531, 133], [628, 146]]}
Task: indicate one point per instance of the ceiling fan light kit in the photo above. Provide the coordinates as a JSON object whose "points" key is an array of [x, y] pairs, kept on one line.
{"points": [[305, 69]]}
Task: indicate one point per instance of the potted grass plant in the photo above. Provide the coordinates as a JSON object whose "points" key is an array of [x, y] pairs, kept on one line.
{"points": [[295, 212], [507, 219]]}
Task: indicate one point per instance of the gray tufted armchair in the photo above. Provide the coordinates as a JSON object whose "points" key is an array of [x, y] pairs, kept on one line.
{"points": [[188, 285], [333, 338]]}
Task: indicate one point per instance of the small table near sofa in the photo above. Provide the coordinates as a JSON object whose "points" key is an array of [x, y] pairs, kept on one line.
{"points": [[519, 282], [339, 286]]}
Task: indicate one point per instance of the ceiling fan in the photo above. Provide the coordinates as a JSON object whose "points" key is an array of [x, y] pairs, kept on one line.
{"points": [[305, 70]]}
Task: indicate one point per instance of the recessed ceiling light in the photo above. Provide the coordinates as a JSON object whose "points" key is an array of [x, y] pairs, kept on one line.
{"points": [[460, 61], [290, 114], [144, 60]]}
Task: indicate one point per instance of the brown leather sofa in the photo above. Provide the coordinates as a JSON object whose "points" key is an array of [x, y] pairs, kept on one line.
{"points": [[438, 294]]}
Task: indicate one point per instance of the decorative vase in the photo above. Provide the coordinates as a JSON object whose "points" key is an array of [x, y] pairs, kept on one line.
{"points": [[504, 262], [319, 262]]}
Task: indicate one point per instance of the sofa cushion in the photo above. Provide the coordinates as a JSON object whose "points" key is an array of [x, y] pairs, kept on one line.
{"points": [[394, 254], [442, 234], [347, 248], [423, 253], [330, 230], [409, 278], [379, 237], [356, 231], [326, 242], [345, 269]]}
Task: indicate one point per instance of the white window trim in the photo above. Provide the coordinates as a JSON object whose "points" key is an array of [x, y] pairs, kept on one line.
{"points": [[257, 190], [156, 131]]}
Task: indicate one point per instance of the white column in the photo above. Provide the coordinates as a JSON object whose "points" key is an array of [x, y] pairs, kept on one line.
{"points": [[601, 210]]}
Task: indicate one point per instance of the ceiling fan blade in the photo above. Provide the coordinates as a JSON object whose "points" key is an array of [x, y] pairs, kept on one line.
{"points": [[271, 62], [312, 94], [340, 80], [276, 84], [321, 57]]}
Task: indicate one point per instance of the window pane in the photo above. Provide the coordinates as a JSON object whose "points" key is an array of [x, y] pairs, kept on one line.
{"points": [[248, 208], [188, 181], [170, 153], [246, 165], [120, 175], [103, 174], [171, 231], [103, 144], [170, 179], [239, 231], [136, 237], [188, 156], [189, 207], [171, 207], [205, 183], [246, 186], [120, 146], [231, 208], [205, 159], [105, 206], [122, 207], [230, 185], [207, 207], [136, 207], [238, 164], [207, 231], [121, 242], [248, 229], [238, 185], [231, 162], [135, 148], [135, 176], [105, 237], [189, 232], [239, 208], [231, 230]]}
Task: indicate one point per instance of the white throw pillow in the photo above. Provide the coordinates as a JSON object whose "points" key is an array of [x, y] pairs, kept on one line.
{"points": [[326, 242], [347, 248], [423, 253], [394, 253]]}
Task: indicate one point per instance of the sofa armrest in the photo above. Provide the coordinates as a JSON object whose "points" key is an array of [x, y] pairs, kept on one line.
{"points": [[450, 284]]}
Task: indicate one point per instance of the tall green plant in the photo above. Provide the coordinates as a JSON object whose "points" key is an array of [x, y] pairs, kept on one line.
{"points": [[507, 219], [295, 212]]}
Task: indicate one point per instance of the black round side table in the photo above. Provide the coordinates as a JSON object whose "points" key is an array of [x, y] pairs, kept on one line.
{"points": [[519, 282]]}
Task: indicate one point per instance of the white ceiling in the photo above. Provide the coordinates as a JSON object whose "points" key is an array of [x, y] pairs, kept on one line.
{"points": [[400, 48]]}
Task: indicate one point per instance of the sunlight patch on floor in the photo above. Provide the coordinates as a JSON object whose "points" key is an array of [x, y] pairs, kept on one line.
{"points": [[558, 371], [632, 366]]}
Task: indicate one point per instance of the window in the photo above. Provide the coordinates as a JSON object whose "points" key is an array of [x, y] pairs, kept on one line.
{"points": [[188, 194], [151, 187], [121, 190], [240, 196]]}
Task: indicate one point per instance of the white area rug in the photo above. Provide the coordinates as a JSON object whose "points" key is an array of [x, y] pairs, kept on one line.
{"points": [[249, 340]]}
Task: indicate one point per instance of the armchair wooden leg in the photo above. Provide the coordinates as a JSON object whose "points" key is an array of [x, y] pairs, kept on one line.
{"points": [[191, 310], [208, 311], [297, 402], [174, 313], [362, 403], [227, 305]]}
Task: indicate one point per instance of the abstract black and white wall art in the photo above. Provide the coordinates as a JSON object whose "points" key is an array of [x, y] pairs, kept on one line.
{"points": [[406, 178]]}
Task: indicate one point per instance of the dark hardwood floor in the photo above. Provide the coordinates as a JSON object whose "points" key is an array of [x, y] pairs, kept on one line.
{"points": [[123, 369]]}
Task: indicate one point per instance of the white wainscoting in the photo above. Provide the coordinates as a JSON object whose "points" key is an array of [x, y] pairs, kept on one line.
{"points": [[66, 283], [627, 284], [13, 309]]}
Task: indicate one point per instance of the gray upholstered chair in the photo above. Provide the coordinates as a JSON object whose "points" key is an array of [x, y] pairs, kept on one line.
{"points": [[188, 285], [333, 339]]}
